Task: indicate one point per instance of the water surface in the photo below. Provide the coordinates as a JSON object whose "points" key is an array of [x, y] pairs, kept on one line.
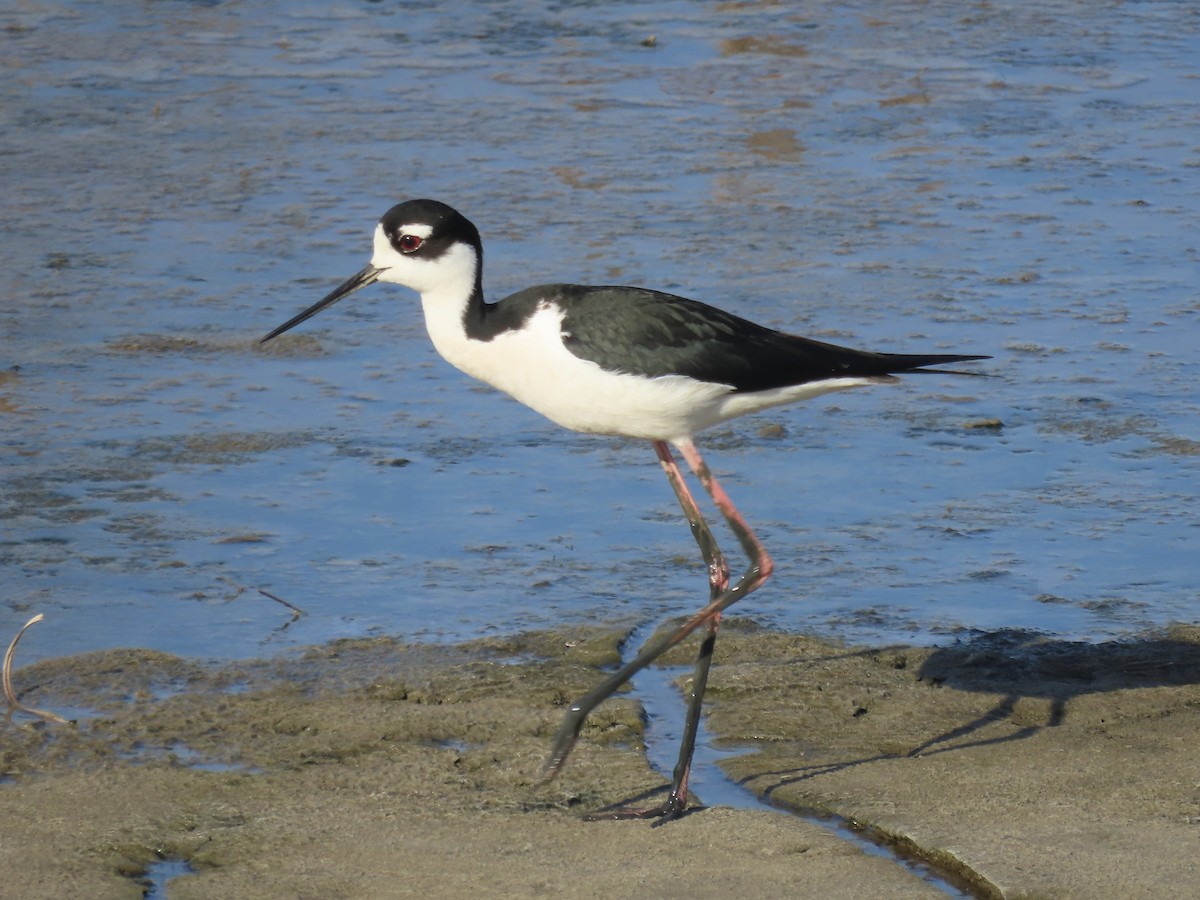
{"points": [[181, 177]]}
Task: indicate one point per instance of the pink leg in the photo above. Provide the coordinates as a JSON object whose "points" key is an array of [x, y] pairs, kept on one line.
{"points": [[721, 597], [718, 568], [761, 564]]}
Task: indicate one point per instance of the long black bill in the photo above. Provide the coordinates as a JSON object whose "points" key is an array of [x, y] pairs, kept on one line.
{"points": [[369, 275]]}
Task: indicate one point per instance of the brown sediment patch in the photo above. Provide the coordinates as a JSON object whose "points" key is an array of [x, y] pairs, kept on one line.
{"points": [[372, 768], [1030, 766]]}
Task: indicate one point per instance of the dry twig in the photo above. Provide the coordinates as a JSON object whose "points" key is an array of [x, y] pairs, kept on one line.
{"points": [[297, 612], [15, 705]]}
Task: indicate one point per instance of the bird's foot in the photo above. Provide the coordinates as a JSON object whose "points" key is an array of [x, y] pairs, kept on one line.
{"points": [[670, 809]]}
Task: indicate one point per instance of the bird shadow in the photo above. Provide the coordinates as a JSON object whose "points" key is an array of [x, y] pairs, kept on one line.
{"points": [[1019, 666], [1022, 665]]}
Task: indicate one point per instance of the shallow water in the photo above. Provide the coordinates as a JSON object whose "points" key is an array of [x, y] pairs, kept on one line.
{"points": [[181, 177]]}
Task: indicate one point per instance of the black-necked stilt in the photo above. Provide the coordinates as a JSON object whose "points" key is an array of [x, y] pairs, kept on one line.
{"points": [[624, 361]]}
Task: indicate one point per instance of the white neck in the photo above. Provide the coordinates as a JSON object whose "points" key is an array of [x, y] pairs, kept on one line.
{"points": [[447, 287]]}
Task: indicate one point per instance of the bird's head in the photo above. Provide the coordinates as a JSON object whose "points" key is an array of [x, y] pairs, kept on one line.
{"points": [[422, 244]]}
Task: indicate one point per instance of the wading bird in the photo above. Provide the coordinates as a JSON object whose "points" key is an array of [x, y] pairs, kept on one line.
{"points": [[618, 361]]}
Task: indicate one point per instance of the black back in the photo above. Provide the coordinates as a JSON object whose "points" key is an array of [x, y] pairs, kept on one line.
{"points": [[649, 333]]}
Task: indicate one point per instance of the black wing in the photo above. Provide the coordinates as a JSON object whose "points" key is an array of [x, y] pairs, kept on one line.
{"points": [[643, 332]]}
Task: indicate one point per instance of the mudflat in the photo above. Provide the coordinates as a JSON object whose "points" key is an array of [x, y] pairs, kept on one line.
{"points": [[371, 768]]}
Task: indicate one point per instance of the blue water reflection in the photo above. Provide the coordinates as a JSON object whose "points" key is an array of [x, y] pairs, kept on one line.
{"points": [[182, 177]]}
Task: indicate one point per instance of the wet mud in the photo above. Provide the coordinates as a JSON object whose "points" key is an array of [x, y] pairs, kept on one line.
{"points": [[1018, 766]]}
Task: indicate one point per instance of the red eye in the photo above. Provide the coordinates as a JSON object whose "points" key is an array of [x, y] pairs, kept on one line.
{"points": [[409, 243]]}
